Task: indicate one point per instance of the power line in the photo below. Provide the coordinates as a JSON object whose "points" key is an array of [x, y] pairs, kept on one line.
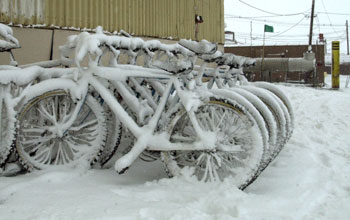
{"points": [[228, 16], [263, 16], [318, 24], [272, 13], [324, 7], [294, 36], [288, 29], [333, 13]]}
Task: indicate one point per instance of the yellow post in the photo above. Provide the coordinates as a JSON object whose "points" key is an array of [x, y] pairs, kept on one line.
{"points": [[335, 65]]}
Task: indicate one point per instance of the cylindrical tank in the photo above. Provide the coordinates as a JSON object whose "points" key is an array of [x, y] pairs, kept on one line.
{"points": [[304, 64]]}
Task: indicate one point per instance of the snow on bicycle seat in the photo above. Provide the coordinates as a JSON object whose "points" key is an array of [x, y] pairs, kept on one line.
{"points": [[8, 41], [235, 61], [199, 48], [209, 58], [175, 67]]}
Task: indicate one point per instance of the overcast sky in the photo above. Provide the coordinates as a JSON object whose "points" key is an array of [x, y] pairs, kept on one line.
{"points": [[290, 19]]}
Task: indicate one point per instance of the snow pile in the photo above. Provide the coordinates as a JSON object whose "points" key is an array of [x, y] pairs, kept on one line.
{"points": [[8, 41], [310, 179]]}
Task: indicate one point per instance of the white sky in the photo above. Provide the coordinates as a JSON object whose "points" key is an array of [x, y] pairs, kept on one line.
{"points": [[287, 29]]}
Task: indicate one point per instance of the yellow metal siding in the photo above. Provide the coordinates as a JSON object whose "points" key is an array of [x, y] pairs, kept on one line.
{"points": [[152, 18]]}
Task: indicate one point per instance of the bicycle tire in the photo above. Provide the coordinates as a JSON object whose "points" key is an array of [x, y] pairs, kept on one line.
{"points": [[38, 149], [175, 161], [7, 132]]}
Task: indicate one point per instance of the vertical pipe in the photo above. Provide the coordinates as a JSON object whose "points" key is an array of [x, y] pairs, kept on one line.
{"points": [[335, 65]]}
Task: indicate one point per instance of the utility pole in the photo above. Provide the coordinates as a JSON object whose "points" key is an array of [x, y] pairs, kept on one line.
{"points": [[347, 36], [311, 24]]}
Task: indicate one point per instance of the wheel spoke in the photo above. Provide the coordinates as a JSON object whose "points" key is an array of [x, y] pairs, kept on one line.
{"points": [[36, 130], [58, 154], [72, 147], [45, 150], [46, 114], [65, 153], [220, 121], [34, 147], [82, 126], [37, 140]]}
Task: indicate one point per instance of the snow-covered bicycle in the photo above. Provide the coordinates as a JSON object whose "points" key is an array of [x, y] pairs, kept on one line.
{"points": [[74, 116], [273, 106], [63, 122]]}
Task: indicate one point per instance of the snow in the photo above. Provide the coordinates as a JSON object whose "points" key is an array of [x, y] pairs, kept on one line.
{"points": [[309, 179], [252, 110], [7, 40], [89, 45], [203, 47]]}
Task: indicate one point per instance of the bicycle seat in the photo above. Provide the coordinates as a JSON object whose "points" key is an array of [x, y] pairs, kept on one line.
{"points": [[199, 48], [234, 61], [8, 41], [7, 46], [175, 67], [209, 58]]}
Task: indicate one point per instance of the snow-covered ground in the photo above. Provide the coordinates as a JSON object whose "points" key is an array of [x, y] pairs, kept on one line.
{"points": [[310, 179]]}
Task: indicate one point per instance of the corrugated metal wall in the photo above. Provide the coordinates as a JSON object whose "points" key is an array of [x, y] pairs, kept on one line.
{"points": [[153, 18]]}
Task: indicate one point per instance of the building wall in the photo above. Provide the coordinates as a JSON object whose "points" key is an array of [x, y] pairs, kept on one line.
{"points": [[150, 18], [42, 44]]}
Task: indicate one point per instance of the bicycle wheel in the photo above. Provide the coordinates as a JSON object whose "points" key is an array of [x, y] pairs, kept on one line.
{"points": [[7, 131], [273, 104], [253, 111], [114, 133], [282, 96], [239, 145], [42, 144], [265, 112]]}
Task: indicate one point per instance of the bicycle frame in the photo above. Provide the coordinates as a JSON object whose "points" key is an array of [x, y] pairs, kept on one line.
{"points": [[146, 136]]}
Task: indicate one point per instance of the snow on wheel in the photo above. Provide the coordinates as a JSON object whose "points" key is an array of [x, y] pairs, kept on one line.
{"points": [[7, 128], [272, 102], [281, 95], [239, 145], [267, 115], [114, 132], [41, 143], [251, 110]]}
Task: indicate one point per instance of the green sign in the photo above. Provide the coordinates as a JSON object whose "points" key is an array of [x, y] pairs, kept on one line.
{"points": [[268, 28]]}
